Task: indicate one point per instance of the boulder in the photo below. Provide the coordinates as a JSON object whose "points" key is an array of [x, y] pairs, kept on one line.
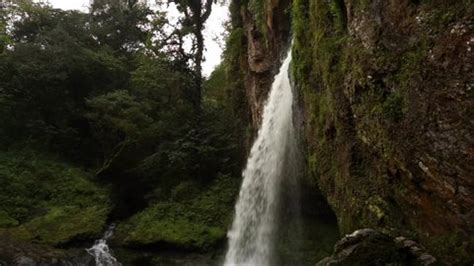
{"points": [[371, 247]]}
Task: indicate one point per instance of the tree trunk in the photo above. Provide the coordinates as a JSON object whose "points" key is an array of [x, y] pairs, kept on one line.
{"points": [[199, 58]]}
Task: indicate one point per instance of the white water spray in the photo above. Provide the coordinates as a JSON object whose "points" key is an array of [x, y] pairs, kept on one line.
{"points": [[252, 236], [101, 251]]}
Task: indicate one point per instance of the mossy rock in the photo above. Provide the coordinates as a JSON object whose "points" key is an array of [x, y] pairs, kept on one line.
{"points": [[185, 233], [197, 223], [45, 201], [371, 247], [62, 224]]}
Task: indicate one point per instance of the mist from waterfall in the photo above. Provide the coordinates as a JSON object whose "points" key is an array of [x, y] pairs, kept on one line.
{"points": [[254, 230]]}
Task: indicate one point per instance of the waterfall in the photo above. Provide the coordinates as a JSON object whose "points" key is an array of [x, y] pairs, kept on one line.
{"points": [[252, 236], [101, 251]]}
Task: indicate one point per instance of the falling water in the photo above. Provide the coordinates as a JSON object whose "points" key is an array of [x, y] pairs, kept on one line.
{"points": [[252, 236], [101, 251]]}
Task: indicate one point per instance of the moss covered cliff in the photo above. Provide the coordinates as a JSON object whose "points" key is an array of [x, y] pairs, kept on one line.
{"points": [[385, 92]]}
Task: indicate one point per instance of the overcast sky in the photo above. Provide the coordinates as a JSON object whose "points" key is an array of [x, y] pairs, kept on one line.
{"points": [[213, 28]]}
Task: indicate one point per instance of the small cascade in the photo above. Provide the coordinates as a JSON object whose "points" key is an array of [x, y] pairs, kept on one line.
{"points": [[254, 230], [101, 251]]}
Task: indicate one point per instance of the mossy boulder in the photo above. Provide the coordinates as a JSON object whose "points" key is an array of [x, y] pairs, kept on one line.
{"points": [[46, 201], [191, 223]]}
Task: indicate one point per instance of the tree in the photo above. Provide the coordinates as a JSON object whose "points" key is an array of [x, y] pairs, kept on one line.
{"points": [[118, 120], [4, 39], [54, 64], [195, 14], [121, 24]]}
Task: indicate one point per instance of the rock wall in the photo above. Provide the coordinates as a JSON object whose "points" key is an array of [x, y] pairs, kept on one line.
{"points": [[386, 92], [386, 88], [266, 26]]}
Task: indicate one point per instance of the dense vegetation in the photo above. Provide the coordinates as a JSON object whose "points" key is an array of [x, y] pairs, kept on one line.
{"points": [[105, 117]]}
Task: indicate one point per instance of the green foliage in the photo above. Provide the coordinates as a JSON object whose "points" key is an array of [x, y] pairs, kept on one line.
{"points": [[177, 232], [120, 24], [54, 65], [196, 221], [257, 9], [226, 85], [225, 81], [234, 46], [118, 111], [6, 220], [48, 201], [215, 92], [94, 90], [4, 38], [61, 225], [162, 84], [117, 119]]}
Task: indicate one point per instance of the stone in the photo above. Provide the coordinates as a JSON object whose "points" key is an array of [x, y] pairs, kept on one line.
{"points": [[24, 261], [371, 247]]}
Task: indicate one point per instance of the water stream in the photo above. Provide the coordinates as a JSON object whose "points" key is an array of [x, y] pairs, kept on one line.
{"points": [[253, 233], [101, 251]]}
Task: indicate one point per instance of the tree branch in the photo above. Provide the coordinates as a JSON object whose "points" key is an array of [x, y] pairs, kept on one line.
{"points": [[207, 10]]}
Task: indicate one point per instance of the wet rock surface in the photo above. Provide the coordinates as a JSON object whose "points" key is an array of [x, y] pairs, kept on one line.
{"points": [[267, 38], [384, 96], [26, 254], [386, 89], [370, 247]]}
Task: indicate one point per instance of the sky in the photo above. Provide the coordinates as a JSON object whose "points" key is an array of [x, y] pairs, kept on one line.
{"points": [[214, 28]]}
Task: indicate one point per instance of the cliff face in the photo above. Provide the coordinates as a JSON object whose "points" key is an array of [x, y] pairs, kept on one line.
{"points": [[387, 96], [266, 26]]}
